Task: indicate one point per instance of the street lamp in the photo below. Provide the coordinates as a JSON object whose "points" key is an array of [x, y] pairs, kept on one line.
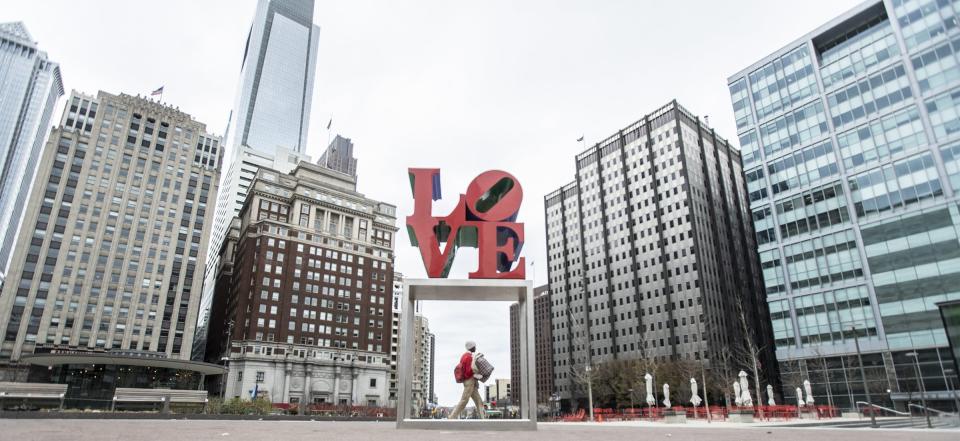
{"points": [[631, 398], [588, 370], [223, 377], [555, 398], [226, 361], [863, 378], [703, 374], [923, 390]]}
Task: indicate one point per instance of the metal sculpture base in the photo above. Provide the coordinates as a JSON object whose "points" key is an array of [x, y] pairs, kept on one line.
{"points": [[500, 290]]}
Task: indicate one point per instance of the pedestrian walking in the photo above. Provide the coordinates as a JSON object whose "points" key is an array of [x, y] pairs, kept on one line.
{"points": [[466, 373]]}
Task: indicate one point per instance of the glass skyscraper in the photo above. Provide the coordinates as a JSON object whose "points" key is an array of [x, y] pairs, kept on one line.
{"points": [[276, 78], [30, 86], [270, 118], [850, 141]]}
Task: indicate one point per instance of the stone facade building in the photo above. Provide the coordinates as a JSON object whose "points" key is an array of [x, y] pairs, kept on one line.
{"points": [[111, 258]]}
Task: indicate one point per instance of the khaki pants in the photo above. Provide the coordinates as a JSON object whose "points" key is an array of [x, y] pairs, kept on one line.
{"points": [[469, 391]]}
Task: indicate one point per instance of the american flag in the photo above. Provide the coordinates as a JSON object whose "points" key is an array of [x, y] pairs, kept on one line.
{"points": [[157, 92]]}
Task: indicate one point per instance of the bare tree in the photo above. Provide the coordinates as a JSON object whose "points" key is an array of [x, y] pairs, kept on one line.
{"points": [[792, 377], [583, 371], [752, 351], [618, 380], [819, 364], [724, 373]]}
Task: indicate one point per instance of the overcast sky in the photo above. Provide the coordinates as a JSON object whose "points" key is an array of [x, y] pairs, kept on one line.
{"points": [[463, 86]]}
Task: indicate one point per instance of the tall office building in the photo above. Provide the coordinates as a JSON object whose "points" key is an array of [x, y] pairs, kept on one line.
{"points": [[498, 393], [432, 368], [651, 252], [303, 316], [423, 366], [543, 346], [112, 246], [30, 86], [395, 336], [848, 139], [339, 156], [270, 118], [395, 342]]}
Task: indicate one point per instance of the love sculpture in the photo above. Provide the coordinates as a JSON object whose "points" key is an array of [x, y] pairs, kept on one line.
{"points": [[484, 218]]}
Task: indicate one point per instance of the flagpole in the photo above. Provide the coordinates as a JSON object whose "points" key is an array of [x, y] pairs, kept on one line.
{"points": [[329, 125]]}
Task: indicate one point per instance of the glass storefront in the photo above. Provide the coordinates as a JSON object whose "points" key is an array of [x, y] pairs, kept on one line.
{"points": [[93, 385], [950, 313], [92, 378]]}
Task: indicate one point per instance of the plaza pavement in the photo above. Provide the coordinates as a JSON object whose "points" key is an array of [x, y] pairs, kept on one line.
{"points": [[184, 430]]}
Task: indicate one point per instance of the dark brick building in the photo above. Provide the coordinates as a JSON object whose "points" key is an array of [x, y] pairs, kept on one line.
{"points": [[304, 311]]}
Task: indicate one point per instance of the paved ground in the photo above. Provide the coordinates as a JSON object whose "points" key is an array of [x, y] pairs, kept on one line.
{"points": [[183, 430]]}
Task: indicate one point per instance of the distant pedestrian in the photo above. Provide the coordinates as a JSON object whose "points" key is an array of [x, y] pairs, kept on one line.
{"points": [[466, 373]]}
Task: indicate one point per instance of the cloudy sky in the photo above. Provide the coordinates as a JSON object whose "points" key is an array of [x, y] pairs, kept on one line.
{"points": [[463, 86]]}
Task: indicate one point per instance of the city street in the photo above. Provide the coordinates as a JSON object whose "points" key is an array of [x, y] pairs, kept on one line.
{"points": [[81, 430]]}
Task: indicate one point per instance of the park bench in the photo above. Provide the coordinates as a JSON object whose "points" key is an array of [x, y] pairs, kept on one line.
{"points": [[30, 391], [164, 396]]}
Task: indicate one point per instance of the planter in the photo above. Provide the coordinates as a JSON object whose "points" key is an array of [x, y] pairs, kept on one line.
{"points": [[741, 416], [675, 416]]}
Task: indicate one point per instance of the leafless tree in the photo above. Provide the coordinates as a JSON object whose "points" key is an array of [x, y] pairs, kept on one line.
{"points": [[819, 364], [750, 351], [583, 370], [792, 377], [723, 373]]}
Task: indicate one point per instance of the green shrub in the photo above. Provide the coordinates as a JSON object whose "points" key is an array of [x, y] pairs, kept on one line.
{"points": [[239, 406], [261, 406], [215, 405]]}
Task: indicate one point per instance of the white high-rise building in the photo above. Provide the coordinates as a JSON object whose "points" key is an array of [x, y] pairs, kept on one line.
{"points": [[270, 118], [30, 86], [109, 257]]}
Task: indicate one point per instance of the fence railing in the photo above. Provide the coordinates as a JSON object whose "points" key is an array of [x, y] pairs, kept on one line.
{"points": [[719, 413]]}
